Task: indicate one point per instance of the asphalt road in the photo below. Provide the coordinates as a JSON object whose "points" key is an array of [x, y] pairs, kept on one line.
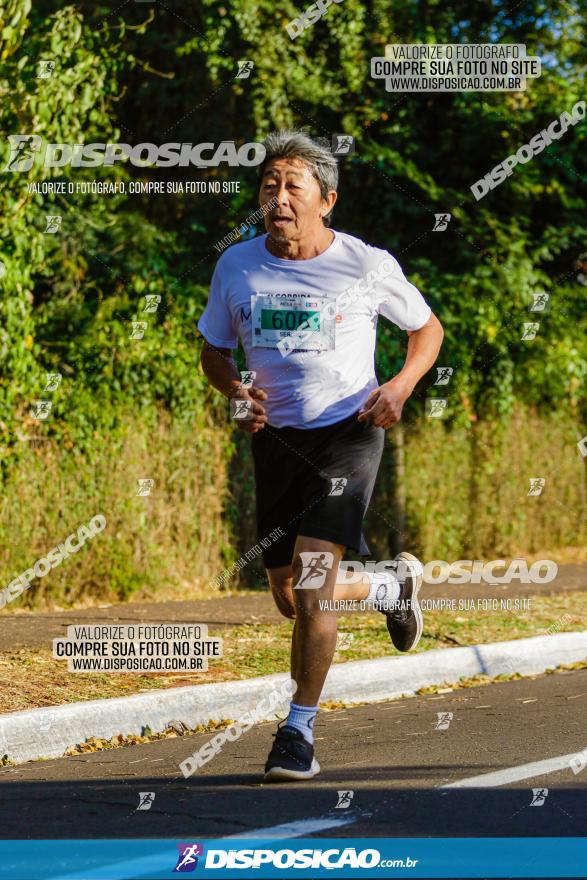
{"points": [[390, 755]]}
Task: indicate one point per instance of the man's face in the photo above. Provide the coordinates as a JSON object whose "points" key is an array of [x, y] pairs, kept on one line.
{"points": [[300, 207]]}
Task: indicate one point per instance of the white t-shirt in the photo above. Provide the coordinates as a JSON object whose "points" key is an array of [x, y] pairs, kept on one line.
{"points": [[310, 388]]}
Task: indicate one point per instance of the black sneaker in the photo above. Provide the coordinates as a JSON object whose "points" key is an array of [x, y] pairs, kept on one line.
{"points": [[292, 757], [405, 625]]}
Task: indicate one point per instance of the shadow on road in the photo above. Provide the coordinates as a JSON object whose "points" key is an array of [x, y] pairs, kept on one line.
{"points": [[220, 805]]}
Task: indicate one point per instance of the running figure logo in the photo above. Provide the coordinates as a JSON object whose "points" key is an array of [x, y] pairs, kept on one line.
{"points": [[343, 641], [188, 856], [315, 567], [578, 762], [241, 409], [152, 301], [539, 302], [436, 407], [343, 144], [539, 795], [338, 484], [247, 378], [47, 722], [52, 223], [22, 151], [244, 69], [444, 374], [41, 409], [53, 381], [46, 69], [344, 800], [536, 485], [441, 222], [145, 487], [444, 719], [530, 331], [138, 329], [146, 799]]}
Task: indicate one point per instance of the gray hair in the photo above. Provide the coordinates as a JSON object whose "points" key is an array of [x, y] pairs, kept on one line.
{"points": [[315, 154]]}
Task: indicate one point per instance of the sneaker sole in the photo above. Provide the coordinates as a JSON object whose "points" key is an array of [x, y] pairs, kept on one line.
{"points": [[415, 606], [281, 774]]}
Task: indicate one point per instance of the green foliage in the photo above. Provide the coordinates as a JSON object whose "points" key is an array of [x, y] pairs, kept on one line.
{"points": [[166, 72], [73, 296], [69, 300], [417, 154], [473, 501]]}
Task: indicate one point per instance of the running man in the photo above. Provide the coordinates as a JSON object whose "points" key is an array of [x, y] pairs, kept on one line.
{"points": [[304, 301]]}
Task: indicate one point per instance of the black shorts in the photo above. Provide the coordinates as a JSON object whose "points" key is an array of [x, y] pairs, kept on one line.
{"points": [[300, 484]]}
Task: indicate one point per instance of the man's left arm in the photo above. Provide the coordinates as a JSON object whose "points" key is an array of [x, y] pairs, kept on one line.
{"points": [[383, 407]]}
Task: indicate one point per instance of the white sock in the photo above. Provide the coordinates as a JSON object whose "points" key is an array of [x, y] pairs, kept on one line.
{"points": [[302, 718], [385, 589]]}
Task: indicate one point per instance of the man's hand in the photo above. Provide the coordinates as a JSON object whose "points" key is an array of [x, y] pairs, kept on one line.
{"points": [[256, 419], [383, 407]]}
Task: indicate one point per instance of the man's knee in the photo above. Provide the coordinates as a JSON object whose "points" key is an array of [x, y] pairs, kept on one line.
{"points": [[313, 570], [281, 589], [308, 602], [285, 607]]}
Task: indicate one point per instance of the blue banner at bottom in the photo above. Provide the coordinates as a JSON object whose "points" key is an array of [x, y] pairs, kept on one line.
{"points": [[470, 857]]}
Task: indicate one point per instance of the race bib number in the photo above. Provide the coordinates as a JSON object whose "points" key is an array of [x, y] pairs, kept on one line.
{"points": [[297, 321]]}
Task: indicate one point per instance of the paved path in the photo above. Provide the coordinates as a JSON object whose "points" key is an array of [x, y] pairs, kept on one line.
{"points": [[389, 754]]}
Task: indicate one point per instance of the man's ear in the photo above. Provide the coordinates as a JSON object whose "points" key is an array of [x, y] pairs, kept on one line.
{"points": [[329, 202]]}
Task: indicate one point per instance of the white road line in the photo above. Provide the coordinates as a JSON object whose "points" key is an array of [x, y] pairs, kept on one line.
{"points": [[515, 774], [294, 829]]}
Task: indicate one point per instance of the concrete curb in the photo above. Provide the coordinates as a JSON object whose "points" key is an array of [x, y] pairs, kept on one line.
{"points": [[48, 732]]}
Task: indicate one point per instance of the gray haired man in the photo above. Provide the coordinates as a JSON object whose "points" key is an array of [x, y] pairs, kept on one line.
{"points": [[304, 301]]}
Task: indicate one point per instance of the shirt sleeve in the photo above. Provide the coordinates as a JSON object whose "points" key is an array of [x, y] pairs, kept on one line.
{"points": [[400, 301], [215, 324]]}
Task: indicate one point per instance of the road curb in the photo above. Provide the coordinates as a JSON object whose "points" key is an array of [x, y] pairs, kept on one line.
{"points": [[49, 732]]}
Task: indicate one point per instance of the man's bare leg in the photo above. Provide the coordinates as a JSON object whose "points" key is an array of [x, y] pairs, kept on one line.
{"points": [[314, 634], [281, 581], [355, 586], [313, 646], [304, 592]]}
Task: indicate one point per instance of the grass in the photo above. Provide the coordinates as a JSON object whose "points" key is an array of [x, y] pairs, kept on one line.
{"points": [[32, 678], [167, 545], [466, 497], [475, 481]]}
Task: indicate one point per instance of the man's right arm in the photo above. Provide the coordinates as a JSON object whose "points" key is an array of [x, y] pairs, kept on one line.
{"points": [[221, 371]]}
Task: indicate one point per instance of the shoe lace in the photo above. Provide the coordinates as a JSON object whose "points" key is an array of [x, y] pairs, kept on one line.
{"points": [[279, 728], [401, 615]]}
